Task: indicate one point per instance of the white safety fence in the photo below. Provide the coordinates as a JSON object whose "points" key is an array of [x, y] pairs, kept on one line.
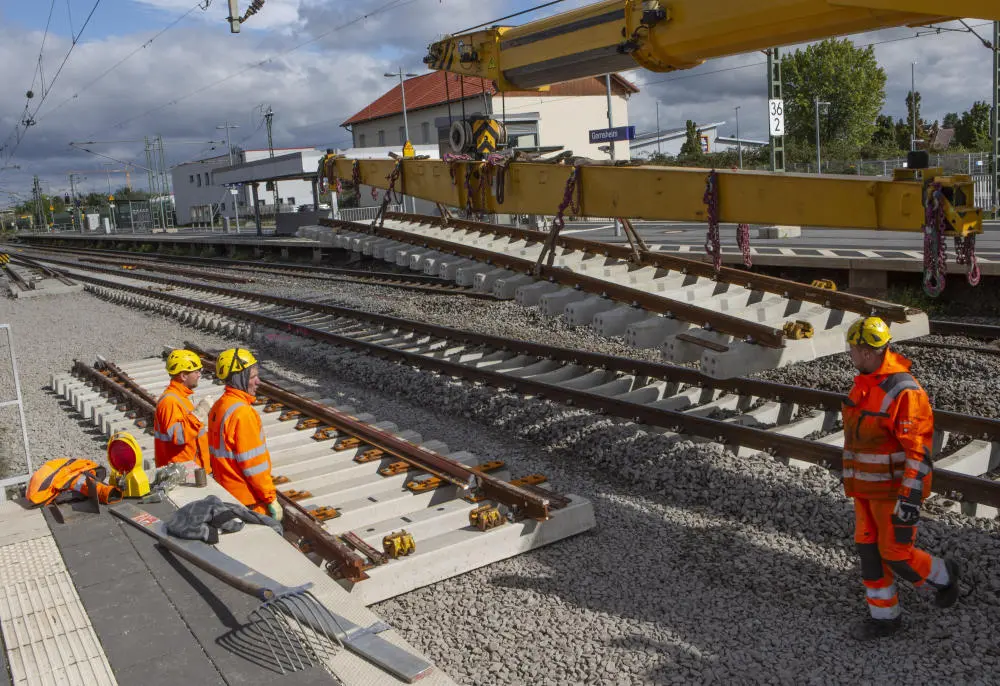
{"points": [[362, 214], [15, 457], [984, 191]]}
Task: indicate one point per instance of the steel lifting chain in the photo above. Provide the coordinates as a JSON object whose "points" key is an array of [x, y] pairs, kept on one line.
{"points": [[570, 201], [496, 168], [743, 240], [965, 253], [935, 252], [713, 245], [390, 194]]}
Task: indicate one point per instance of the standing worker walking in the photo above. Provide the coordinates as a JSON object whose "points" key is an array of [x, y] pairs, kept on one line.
{"points": [[888, 438], [240, 461], [179, 428]]}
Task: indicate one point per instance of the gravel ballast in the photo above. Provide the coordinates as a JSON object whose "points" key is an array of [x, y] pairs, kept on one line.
{"points": [[704, 566]]}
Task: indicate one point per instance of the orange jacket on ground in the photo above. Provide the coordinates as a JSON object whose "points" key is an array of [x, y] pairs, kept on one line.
{"points": [[888, 434], [240, 460], [68, 473], [179, 436]]}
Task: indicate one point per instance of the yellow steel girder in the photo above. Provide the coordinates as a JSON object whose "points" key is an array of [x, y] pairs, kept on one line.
{"points": [[616, 35], [675, 193]]}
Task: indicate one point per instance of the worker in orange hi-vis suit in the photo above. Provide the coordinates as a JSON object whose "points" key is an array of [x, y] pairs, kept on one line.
{"points": [[179, 428], [240, 461], [888, 438]]}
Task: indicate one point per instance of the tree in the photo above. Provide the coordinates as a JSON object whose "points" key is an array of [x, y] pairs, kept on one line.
{"points": [[847, 77], [885, 131], [950, 120], [923, 128], [692, 141], [973, 129]]}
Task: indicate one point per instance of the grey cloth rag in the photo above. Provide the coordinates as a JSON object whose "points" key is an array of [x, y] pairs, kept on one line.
{"points": [[203, 519], [240, 380]]}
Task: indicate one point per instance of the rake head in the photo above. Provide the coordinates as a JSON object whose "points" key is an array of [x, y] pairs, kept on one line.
{"points": [[299, 628]]}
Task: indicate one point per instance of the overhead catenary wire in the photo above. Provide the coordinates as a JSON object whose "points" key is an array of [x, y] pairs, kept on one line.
{"points": [[198, 5], [62, 65], [379, 10], [509, 16]]}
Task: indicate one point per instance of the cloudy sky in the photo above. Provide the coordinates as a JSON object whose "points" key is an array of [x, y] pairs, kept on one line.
{"points": [[171, 67]]}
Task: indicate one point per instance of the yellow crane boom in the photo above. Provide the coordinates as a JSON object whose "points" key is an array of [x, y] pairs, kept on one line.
{"points": [[616, 35]]}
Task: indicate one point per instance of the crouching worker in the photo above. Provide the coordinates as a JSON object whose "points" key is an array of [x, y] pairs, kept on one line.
{"points": [[888, 436], [179, 433], [240, 461]]}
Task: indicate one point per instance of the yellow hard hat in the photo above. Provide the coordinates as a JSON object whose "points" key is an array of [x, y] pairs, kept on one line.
{"points": [[870, 331], [233, 360], [182, 361], [124, 453]]}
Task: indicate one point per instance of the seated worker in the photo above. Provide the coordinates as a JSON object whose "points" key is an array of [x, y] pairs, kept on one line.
{"points": [[179, 433], [240, 461]]}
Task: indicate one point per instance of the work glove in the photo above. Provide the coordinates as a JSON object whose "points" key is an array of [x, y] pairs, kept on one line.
{"points": [[905, 513], [275, 510], [202, 409]]}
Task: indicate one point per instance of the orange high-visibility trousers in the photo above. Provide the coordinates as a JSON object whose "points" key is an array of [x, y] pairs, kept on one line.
{"points": [[887, 551]]}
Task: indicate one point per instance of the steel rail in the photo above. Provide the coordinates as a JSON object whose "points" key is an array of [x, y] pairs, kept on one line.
{"points": [[176, 271], [421, 283], [739, 277], [526, 503], [971, 425], [952, 485], [947, 328], [297, 520], [718, 321]]}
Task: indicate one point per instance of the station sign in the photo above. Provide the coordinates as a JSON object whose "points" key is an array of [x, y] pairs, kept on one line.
{"points": [[619, 133]]}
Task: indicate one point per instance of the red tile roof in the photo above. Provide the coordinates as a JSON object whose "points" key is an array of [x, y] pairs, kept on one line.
{"points": [[439, 87]]}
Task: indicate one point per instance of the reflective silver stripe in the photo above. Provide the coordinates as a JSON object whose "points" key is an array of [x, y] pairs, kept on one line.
{"points": [[868, 476], [250, 454], [263, 466], [78, 482], [901, 382], [204, 430], [875, 458], [220, 450], [921, 467], [887, 593], [178, 431], [939, 572], [848, 473], [913, 483], [890, 612], [161, 437]]}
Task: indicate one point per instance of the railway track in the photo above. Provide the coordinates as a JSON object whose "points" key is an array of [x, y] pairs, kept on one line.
{"points": [[732, 322], [347, 482], [743, 414], [419, 283]]}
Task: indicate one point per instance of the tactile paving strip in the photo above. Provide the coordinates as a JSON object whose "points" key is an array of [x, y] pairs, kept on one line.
{"points": [[47, 633]]}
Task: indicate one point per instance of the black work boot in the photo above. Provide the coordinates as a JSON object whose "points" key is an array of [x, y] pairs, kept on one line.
{"points": [[948, 595], [873, 629]]}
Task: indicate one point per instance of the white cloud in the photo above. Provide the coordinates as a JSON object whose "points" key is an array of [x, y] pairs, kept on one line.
{"points": [[194, 78]]}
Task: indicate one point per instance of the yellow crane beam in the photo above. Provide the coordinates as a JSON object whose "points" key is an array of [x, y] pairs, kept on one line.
{"points": [[676, 193], [616, 35]]}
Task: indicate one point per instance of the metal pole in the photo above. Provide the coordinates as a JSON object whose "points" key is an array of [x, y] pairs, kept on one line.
{"points": [[739, 143], [819, 159], [611, 143], [774, 90], [995, 162], [406, 131], [913, 103], [268, 116], [658, 128]]}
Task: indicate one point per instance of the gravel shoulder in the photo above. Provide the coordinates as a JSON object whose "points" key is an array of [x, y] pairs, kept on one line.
{"points": [[704, 566]]}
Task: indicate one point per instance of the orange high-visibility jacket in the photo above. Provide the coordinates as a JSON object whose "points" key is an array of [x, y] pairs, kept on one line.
{"points": [[240, 460], [64, 474], [888, 434], [178, 434]]}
